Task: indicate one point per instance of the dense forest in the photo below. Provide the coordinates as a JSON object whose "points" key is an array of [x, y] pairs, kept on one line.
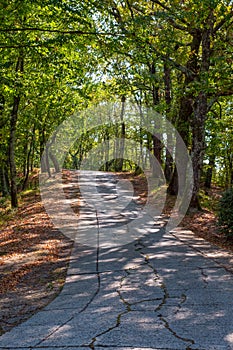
{"points": [[62, 56]]}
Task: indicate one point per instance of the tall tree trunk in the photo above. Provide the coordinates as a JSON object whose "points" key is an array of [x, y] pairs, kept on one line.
{"points": [[13, 174], [55, 162], [13, 122], [209, 172], [231, 177], [47, 153], [46, 157], [121, 145], [200, 108], [185, 112], [32, 154], [157, 135], [107, 149], [25, 153], [4, 181], [230, 170], [169, 160], [198, 146], [43, 163], [186, 107], [25, 182]]}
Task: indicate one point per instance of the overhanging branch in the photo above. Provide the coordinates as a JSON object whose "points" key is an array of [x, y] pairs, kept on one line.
{"points": [[77, 32]]}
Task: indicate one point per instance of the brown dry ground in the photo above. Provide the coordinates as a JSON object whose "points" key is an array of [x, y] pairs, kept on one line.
{"points": [[34, 256]]}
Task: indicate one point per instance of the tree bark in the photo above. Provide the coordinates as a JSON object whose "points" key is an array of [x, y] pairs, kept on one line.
{"points": [[168, 99], [157, 145], [200, 108], [42, 139], [182, 126], [13, 174], [4, 181], [12, 140], [121, 145], [186, 107], [55, 162], [209, 172], [27, 168], [198, 147]]}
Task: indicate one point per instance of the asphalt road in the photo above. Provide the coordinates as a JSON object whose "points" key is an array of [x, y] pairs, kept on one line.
{"points": [[158, 290]]}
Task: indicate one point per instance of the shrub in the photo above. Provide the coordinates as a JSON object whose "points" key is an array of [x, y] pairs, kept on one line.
{"points": [[225, 213]]}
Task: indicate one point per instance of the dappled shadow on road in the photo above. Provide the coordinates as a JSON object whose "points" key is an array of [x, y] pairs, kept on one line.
{"points": [[103, 202], [155, 292], [132, 284], [161, 292]]}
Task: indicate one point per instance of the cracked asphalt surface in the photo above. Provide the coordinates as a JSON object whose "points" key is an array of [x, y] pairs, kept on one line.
{"points": [[161, 291]]}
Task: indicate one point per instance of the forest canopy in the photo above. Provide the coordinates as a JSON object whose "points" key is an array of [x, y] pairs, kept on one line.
{"points": [[62, 56]]}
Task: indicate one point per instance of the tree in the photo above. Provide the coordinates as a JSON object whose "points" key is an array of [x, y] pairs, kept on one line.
{"points": [[173, 55], [185, 36], [38, 79]]}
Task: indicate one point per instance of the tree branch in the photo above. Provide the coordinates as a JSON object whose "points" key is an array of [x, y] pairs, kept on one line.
{"points": [[178, 26], [157, 2], [225, 93], [223, 21], [222, 93], [130, 9], [168, 9], [77, 32], [165, 58]]}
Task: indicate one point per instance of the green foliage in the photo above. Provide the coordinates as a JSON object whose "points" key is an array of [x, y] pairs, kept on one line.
{"points": [[6, 212], [225, 213], [68, 66], [209, 201]]}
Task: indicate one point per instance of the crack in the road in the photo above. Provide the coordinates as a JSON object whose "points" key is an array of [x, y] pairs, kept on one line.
{"points": [[123, 290], [54, 331], [119, 316], [179, 306], [97, 267], [221, 265], [204, 277], [93, 296], [129, 305], [168, 327], [139, 246], [164, 301], [126, 303]]}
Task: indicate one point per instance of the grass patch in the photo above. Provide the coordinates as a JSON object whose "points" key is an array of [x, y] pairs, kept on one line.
{"points": [[210, 199], [6, 212]]}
